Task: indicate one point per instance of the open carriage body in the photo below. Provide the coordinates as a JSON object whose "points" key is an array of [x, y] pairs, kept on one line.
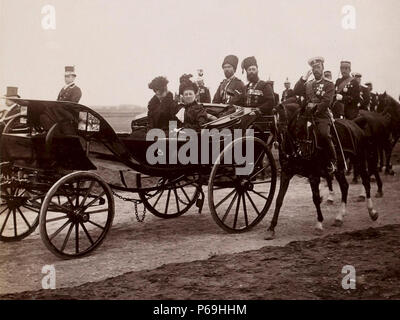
{"points": [[63, 168]]}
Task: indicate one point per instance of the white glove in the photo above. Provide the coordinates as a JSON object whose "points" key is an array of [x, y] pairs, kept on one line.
{"points": [[339, 97], [307, 75]]}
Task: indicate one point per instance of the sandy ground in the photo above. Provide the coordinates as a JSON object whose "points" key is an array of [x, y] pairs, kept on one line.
{"points": [[300, 270], [132, 246]]}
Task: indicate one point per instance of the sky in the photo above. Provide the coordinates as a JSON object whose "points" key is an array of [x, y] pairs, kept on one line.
{"points": [[119, 46]]}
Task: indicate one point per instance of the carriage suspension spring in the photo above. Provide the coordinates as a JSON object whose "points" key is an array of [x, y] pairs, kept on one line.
{"points": [[135, 206]]}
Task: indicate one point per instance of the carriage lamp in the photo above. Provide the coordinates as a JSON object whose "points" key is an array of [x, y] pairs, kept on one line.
{"points": [[24, 114]]}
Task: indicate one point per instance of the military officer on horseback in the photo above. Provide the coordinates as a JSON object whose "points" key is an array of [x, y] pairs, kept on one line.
{"points": [[70, 92], [347, 95], [364, 93], [288, 92], [318, 94], [373, 97], [231, 89]]}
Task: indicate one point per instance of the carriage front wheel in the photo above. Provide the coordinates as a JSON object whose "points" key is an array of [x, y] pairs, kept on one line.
{"points": [[238, 201], [76, 215]]}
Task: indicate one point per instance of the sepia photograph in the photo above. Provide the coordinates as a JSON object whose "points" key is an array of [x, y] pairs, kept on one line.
{"points": [[199, 155]]}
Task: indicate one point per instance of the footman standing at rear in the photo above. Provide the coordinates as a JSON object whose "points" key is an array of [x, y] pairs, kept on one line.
{"points": [[70, 92]]}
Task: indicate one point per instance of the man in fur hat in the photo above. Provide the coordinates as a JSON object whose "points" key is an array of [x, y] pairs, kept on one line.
{"points": [[347, 94], [318, 95], [70, 92], [259, 93], [288, 92], [231, 89]]}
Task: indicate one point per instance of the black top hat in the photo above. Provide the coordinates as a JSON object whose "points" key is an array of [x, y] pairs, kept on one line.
{"points": [[12, 92]]}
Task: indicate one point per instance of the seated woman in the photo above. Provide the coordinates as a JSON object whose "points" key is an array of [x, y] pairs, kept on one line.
{"points": [[161, 107], [191, 114]]}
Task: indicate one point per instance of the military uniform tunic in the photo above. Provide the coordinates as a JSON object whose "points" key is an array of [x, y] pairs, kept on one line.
{"points": [[349, 88], [230, 91]]}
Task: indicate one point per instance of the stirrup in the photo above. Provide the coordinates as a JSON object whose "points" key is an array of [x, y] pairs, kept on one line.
{"points": [[331, 168]]}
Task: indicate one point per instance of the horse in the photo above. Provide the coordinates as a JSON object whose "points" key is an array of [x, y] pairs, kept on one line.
{"points": [[299, 154], [387, 105], [379, 128]]}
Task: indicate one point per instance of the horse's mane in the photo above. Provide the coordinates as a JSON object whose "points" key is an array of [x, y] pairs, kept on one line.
{"points": [[392, 106]]}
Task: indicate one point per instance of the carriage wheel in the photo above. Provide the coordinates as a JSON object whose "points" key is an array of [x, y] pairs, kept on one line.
{"points": [[19, 212], [76, 215], [239, 202], [173, 198]]}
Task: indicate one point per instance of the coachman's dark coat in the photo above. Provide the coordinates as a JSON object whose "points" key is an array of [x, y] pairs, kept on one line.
{"points": [[71, 94]]}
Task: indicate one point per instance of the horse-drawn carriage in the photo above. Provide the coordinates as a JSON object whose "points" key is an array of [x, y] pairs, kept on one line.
{"points": [[59, 171]]}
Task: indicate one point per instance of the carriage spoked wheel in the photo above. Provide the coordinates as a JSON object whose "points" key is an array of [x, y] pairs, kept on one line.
{"points": [[172, 198], [76, 215], [239, 201], [19, 211]]}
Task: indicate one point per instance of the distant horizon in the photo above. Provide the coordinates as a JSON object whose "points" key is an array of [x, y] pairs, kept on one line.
{"points": [[119, 46]]}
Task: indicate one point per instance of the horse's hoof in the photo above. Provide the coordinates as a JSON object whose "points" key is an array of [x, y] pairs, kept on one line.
{"points": [[338, 223], [319, 228], [379, 194], [270, 235], [361, 199], [372, 179], [329, 201], [373, 215]]}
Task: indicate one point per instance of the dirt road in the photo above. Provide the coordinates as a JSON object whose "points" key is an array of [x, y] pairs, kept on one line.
{"points": [[132, 246]]}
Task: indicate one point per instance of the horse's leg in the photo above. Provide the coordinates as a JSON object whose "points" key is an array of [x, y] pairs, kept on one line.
{"points": [[344, 189], [331, 195], [372, 161], [366, 183], [388, 147], [381, 161], [284, 185], [314, 183]]}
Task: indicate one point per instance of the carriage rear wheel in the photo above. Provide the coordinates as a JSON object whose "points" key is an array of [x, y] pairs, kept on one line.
{"points": [[19, 212], [173, 197], [76, 215], [19, 205], [238, 202]]}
